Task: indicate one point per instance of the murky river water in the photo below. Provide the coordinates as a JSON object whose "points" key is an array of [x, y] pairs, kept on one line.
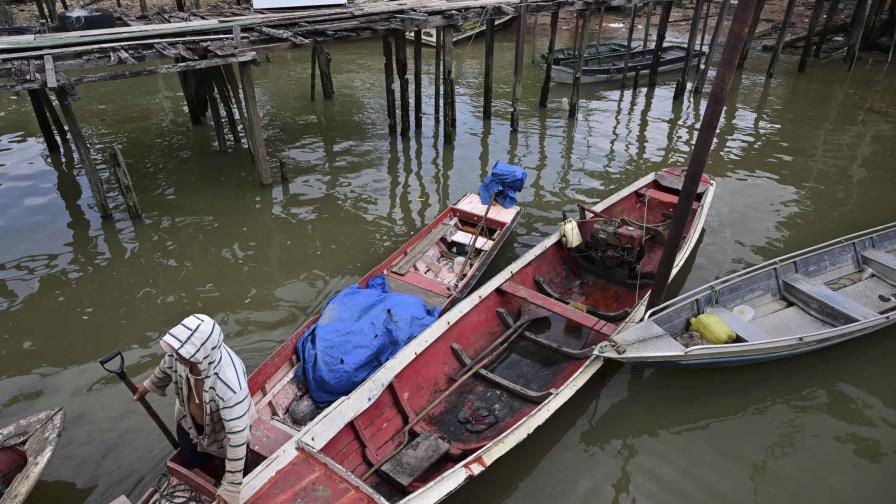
{"points": [[805, 159]]}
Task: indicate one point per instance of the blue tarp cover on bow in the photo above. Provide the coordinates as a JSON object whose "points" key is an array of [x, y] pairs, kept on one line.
{"points": [[358, 331], [504, 182]]}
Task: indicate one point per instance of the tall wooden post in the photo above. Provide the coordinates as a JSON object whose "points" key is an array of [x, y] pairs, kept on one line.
{"points": [[535, 39], [628, 45], [93, 177], [323, 68], [437, 92], [682, 83], [703, 36], [782, 35], [518, 66], [120, 173], [215, 112], [716, 31], [489, 69], [829, 19], [810, 35], [546, 84], [662, 25], [754, 23], [856, 28], [418, 79], [648, 15], [313, 68], [234, 85], [51, 111], [255, 133], [708, 126], [401, 60], [43, 121], [216, 74], [580, 59], [449, 114], [390, 83]]}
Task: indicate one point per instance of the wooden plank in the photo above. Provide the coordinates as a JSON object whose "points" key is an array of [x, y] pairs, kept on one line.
{"points": [[552, 305], [93, 177], [420, 248], [414, 459], [123, 179], [50, 72], [254, 120]]}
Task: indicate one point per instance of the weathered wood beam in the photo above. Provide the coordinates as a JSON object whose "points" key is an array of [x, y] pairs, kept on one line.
{"points": [[716, 31], [214, 110], [548, 66], [520, 48], [313, 71], [234, 85], [254, 120], [401, 60], [628, 48], [449, 114], [390, 84], [826, 28], [751, 32], [810, 35], [323, 68], [703, 37], [93, 177], [437, 92], [119, 171], [682, 83], [661, 27], [489, 72], [43, 121], [418, 79], [782, 35], [581, 37], [648, 15], [217, 77]]}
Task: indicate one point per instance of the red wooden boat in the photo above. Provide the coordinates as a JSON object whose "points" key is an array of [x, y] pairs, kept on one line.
{"points": [[486, 374], [425, 267], [25, 448]]}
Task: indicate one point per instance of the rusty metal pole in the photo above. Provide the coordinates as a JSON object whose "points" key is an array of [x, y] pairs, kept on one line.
{"points": [[734, 44]]}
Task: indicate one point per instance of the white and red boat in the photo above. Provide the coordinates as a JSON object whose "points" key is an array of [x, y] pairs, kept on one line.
{"points": [[487, 373]]}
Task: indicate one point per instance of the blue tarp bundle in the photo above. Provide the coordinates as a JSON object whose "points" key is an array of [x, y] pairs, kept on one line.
{"points": [[504, 182], [359, 329]]}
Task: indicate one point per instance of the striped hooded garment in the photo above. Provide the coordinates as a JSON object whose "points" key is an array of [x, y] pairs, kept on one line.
{"points": [[228, 407]]}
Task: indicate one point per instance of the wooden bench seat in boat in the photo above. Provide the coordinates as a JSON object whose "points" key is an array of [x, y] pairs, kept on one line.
{"points": [[740, 326], [882, 263], [822, 302], [552, 305]]}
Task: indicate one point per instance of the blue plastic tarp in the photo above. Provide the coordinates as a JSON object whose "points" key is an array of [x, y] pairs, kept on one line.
{"points": [[358, 331], [503, 183]]}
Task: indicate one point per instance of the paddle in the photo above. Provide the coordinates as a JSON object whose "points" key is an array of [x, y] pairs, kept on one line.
{"points": [[123, 376]]}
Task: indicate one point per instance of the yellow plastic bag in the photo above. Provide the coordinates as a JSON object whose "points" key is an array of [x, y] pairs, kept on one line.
{"points": [[712, 329]]}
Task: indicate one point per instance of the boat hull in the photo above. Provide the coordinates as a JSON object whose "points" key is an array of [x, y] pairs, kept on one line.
{"points": [[32, 441]]}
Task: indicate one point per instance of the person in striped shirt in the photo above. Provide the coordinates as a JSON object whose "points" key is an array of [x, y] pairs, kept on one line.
{"points": [[214, 409]]}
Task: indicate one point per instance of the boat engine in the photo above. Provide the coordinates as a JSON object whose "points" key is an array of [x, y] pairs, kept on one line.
{"points": [[613, 251]]}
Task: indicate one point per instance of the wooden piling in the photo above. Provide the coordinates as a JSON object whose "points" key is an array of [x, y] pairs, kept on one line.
{"points": [[51, 10], [234, 85], [6, 18], [216, 75], [810, 35], [255, 133], [628, 45], [661, 27], [682, 83], [390, 83], [754, 23], [518, 65], [215, 111], [63, 96], [648, 15], [826, 28], [418, 79], [323, 68], [43, 120], [534, 50], [600, 27], [703, 37], [489, 69], [874, 12], [856, 28], [546, 84], [401, 60], [580, 57], [313, 69], [437, 92], [449, 114], [54, 117], [716, 31], [119, 171], [782, 35], [41, 10], [699, 155]]}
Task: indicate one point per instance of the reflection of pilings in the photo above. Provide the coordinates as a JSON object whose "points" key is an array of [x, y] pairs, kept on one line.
{"points": [[519, 48], [782, 35], [546, 84], [660, 40]]}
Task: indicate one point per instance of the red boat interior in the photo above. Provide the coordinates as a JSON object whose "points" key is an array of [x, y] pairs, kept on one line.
{"points": [[12, 462], [426, 266], [511, 352]]}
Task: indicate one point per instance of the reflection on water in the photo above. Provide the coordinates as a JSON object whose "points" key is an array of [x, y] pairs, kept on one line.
{"points": [[799, 160]]}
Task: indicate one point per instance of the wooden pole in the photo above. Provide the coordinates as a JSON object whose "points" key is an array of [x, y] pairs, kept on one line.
{"points": [[54, 117], [119, 171], [534, 39], [628, 45], [323, 68], [51, 10], [546, 84], [600, 27], [682, 83], [313, 68], [662, 25], [449, 114], [437, 92], [518, 66], [390, 84], [418, 79], [708, 126], [782, 35], [810, 35], [233, 83], [580, 57], [829, 19], [871, 23], [754, 23], [215, 111], [217, 77], [401, 60], [703, 37], [856, 28], [41, 10], [716, 31], [489, 69], [93, 177], [144, 9], [256, 133], [43, 121], [179, 4], [648, 15]]}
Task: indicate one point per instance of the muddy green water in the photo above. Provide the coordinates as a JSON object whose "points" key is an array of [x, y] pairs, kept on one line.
{"points": [[805, 159]]}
